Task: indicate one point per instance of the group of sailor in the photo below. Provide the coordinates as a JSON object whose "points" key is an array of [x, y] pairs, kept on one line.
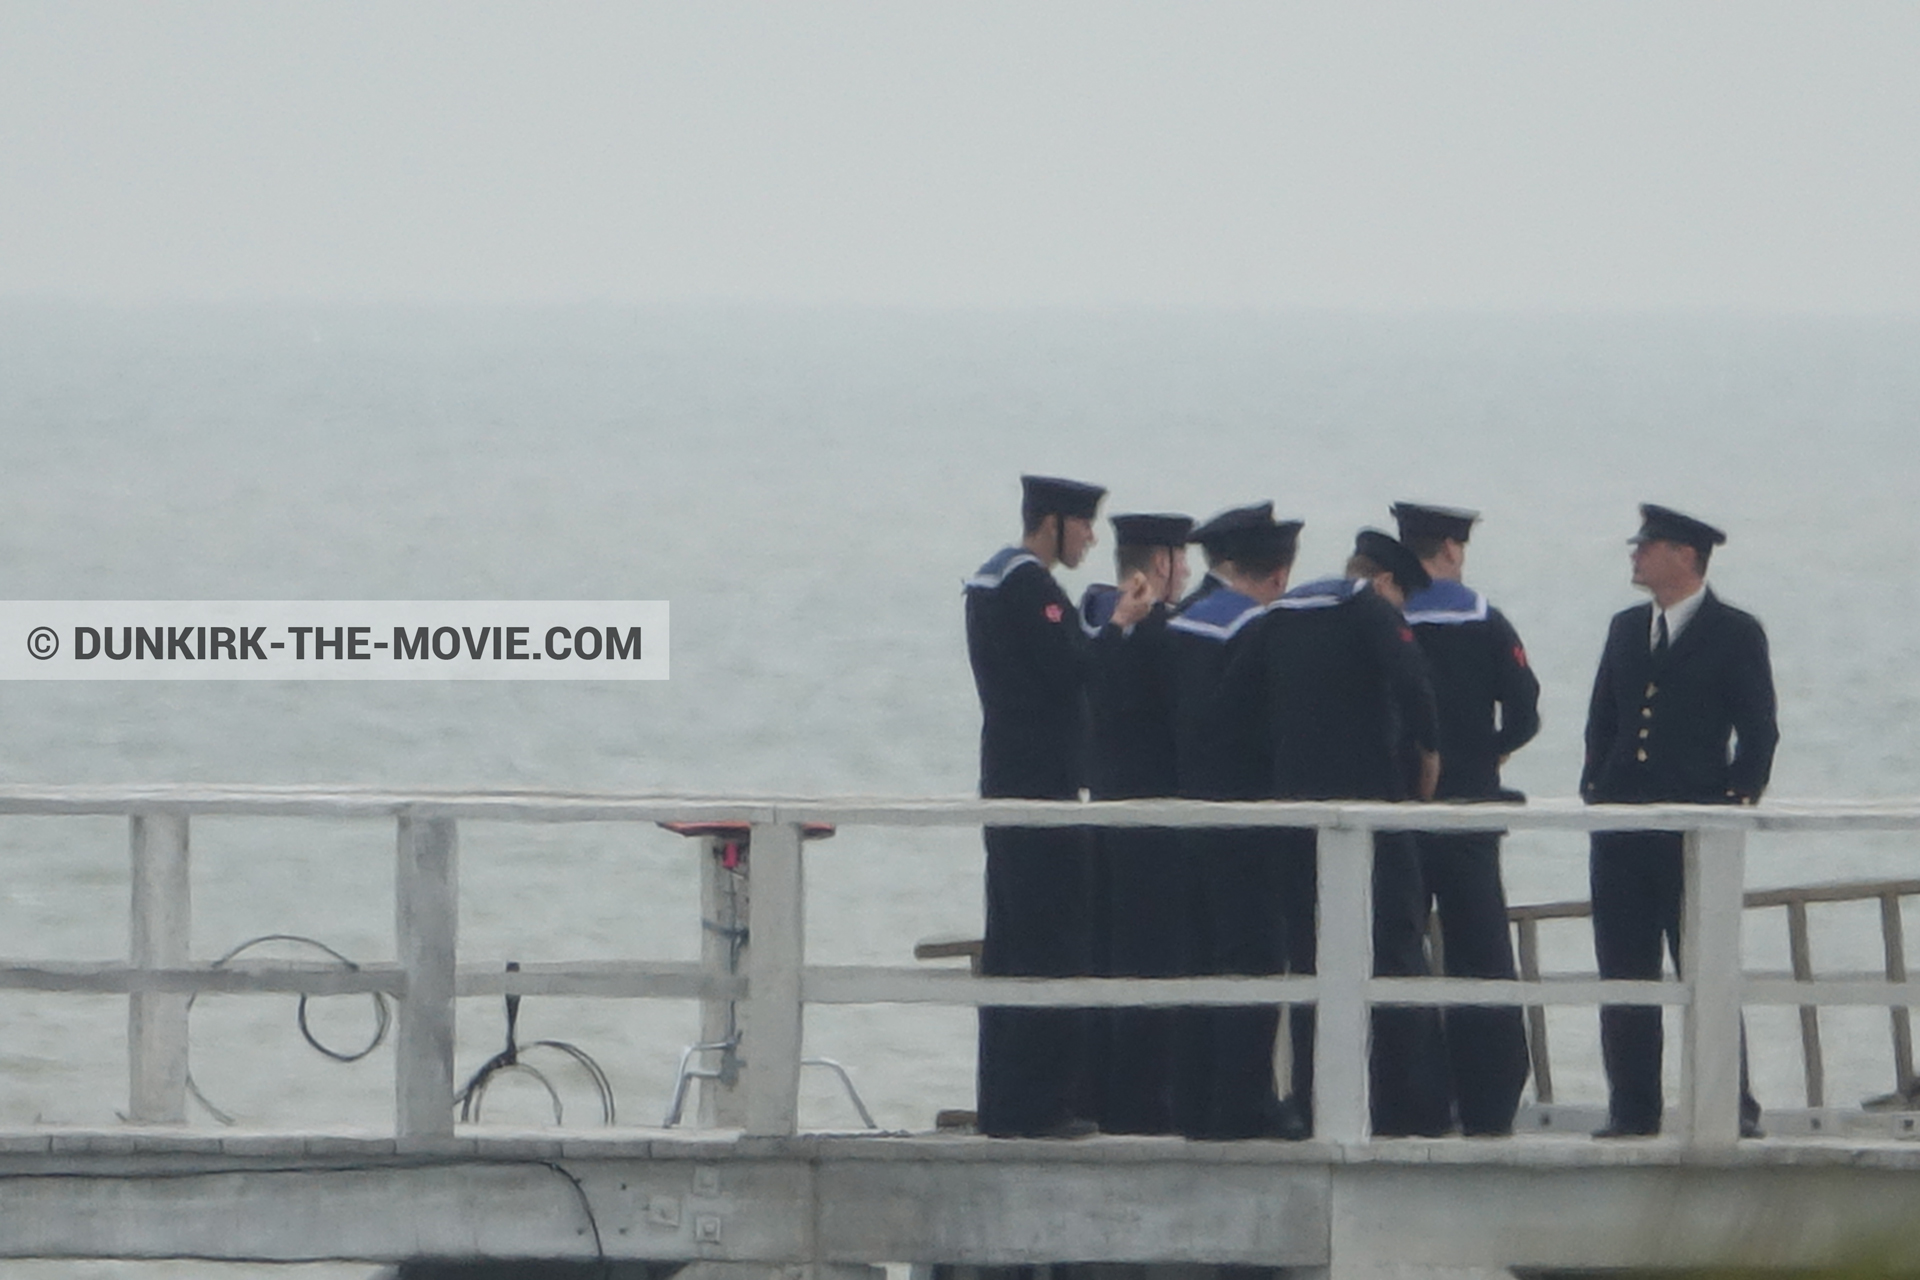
{"points": [[1390, 681]]}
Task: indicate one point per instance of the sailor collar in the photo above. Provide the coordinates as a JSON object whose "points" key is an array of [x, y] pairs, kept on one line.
{"points": [[1446, 603], [1323, 594], [999, 567], [1219, 615]]}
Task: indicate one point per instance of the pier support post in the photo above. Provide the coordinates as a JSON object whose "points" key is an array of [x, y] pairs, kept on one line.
{"points": [[426, 928], [772, 1036], [160, 937], [1344, 958], [1711, 907]]}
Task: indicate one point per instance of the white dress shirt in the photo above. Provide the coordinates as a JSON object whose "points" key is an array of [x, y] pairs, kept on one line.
{"points": [[1677, 616]]}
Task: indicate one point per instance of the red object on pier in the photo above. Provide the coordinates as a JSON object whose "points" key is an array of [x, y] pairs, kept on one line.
{"points": [[735, 836], [741, 830]]}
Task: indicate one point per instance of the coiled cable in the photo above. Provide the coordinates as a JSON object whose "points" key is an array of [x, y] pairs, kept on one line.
{"points": [[509, 1060], [382, 1014]]}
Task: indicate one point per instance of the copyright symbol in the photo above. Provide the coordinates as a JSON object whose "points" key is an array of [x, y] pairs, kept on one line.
{"points": [[43, 642]]}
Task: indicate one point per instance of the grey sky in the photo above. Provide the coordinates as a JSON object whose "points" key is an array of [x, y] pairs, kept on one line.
{"points": [[1744, 155]]}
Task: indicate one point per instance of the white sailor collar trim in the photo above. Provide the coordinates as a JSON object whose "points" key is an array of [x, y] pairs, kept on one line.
{"points": [[1326, 594], [999, 568], [1451, 612], [1221, 631]]}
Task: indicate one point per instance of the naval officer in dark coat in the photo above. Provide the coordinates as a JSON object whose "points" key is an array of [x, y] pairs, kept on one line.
{"points": [[1241, 878], [1028, 656], [1340, 693], [1140, 881], [1488, 701], [1683, 711]]}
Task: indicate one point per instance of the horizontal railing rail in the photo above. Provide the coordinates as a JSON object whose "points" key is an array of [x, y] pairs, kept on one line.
{"points": [[774, 983], [546, 805], [1836, 988]]}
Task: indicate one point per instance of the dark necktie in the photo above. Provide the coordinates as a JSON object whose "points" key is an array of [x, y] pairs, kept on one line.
{"points": [[1660, 637]]}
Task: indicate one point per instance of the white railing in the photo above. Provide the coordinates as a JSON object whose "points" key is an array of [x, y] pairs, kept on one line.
{"points": [[425, 980]]}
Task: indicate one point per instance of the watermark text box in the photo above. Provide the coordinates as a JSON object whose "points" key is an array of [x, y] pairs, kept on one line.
{"points": [[333, 640]]}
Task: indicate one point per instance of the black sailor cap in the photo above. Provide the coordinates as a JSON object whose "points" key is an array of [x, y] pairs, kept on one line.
{"points": [[1392, 555], [1152, 530], [1664, 524], [1419, 520], [1051, 495], [1275, 539], [1214, 532]]}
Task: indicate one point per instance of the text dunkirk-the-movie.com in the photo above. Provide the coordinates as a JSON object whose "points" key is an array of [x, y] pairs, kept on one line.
{"points": [[333, 640]]}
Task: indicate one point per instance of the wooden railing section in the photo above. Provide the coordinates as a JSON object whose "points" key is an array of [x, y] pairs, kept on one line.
{"points": [[778, 983], [1795, 899]]}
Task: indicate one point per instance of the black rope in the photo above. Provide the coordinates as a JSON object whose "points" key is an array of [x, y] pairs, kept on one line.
{"points": [[586, 1207], [472, 1095], [382, 1014]]}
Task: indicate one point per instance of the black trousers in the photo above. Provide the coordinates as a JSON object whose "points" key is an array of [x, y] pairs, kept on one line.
{"points": [[1406, 1068], [1223, 1064], [1636, 882], [1142, 890], [1033, 1063], [1486, 1044]]}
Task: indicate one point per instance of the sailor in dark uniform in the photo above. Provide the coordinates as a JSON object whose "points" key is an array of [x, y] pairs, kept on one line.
{"points": [[1140, 881], [1028, 655], [1488, 699], [1223, 1065], [1212, 535], [1341, 692], [1683, 711]]}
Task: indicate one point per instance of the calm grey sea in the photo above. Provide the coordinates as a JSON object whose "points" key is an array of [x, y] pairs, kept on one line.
{"points": [[808, 489]]}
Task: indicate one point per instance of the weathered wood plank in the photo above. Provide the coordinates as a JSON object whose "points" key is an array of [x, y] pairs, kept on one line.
{"points": [[555, 805], [160, 936], [858, 984], [426, 929], [1344, 959], [1538, 1054], [771, 1043], [1893, 942], [970, 1201], [1800, 949], [1714, 863], [1742, 1217]]}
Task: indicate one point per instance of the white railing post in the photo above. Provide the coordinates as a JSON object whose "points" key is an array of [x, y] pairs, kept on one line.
{"points": [[1344, 962], [426, 933], [770, 1040], [1711, 908], [160, 938]]}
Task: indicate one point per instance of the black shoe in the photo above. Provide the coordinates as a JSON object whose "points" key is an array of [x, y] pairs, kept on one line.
{"points": [[1282, 1120], [1750, 1127], [1285, 1126], [1288, 1125], [1618, 1129], [1070, 1128], [1275, 1119]]}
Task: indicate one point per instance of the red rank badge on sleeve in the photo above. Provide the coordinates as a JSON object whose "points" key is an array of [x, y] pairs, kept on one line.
{"points": [[1054, 613]]}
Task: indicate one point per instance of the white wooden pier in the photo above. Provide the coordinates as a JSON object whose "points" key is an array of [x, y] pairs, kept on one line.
{"points": [[760, 1193]]}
